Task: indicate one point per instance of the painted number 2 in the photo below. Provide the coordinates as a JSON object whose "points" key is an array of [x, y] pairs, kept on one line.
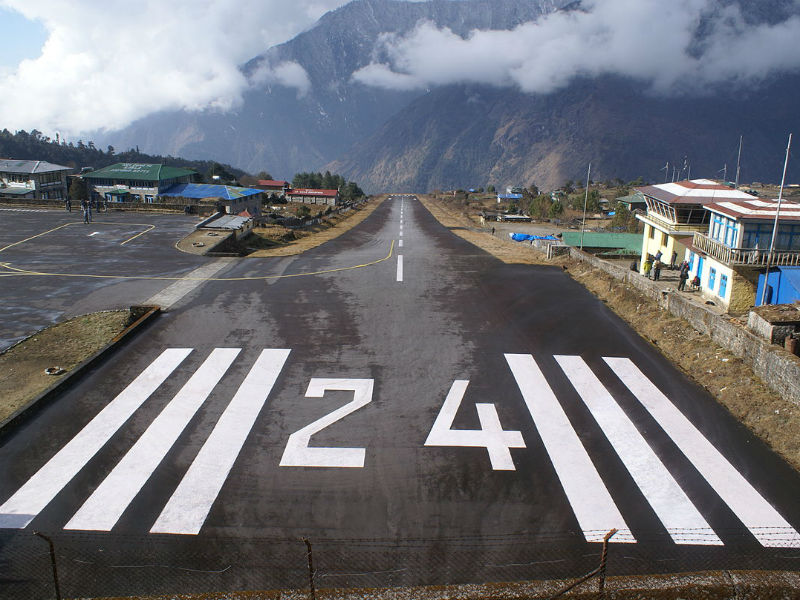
{"points": [[491, 435], [298, 453]]}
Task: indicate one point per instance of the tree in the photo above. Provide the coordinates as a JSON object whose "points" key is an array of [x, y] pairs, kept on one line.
{"points": [[556, 209], [303, 211], [264, 175], [77, 191], [490, 189], [533, 189], [569, 186]]}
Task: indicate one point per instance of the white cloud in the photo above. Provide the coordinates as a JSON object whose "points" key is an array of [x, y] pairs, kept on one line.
{"points": [[650, 40], [289, 74], [107, 62]]}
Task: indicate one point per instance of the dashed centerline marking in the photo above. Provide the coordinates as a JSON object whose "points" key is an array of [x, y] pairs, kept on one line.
{"points": [[400, 267]]}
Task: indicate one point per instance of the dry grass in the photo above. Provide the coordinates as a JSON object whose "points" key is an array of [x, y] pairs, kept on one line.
{"points": [[287, 242]]}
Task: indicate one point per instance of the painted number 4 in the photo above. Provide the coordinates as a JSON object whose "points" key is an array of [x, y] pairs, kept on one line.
{"points": [[491, 435]]}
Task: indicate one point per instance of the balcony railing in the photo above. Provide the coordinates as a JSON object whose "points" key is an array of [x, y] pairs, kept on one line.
{"points": [[671, 226], [754, 257]]}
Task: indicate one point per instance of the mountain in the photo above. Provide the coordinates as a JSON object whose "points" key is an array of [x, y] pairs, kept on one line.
{"points": [[469, 136], [279, 131]]}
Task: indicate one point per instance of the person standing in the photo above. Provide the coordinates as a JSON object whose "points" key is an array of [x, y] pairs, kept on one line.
{"points": [[648, 265], [684, 275], [68, 204], [672, 262], [656, 269]]}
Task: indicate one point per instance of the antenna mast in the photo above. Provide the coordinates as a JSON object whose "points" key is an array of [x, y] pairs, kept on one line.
{"points": [[775, 226], [738, 162]]}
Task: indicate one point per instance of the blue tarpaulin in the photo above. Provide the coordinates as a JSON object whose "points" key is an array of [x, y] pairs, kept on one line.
{"points": [[524, 237]]}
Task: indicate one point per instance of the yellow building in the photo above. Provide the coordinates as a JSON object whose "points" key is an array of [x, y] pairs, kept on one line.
{"points": [[675, 211], [733, 251]]}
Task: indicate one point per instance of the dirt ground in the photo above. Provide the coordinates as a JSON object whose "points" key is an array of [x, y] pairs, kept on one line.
{"points": [[723, 375], [62, 346], [274, 240]]}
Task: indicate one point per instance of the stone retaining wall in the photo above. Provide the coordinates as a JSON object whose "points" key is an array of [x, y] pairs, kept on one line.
{"points": [[779, 369]]}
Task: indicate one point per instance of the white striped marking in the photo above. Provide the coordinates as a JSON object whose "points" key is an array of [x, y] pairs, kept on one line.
{"points": [[170, 295], [105, 506], [399, 267], [400, 244], [763, 521], [188, 507], [587, 494], [19, 510], [670, 503]]}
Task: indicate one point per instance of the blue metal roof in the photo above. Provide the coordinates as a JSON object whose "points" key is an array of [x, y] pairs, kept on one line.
{"points": [[205, 190]]}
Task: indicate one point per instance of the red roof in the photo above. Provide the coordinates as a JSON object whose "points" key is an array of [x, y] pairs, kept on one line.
{"points": [[308, 192], [696, 191], [762, 210], [272, 183]]}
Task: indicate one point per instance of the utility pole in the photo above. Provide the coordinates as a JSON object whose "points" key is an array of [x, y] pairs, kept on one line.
{"points": [[585, 201], [775, 226]]}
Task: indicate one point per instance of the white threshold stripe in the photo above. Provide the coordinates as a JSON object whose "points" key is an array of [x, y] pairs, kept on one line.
{"points": [[19, 510], [187, 509], [171, 294], [588, 496], [680, 517], [399, 267], [763, 521], [105, 506]]}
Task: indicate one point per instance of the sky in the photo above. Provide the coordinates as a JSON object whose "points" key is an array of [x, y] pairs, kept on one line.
{"points": [[98, 65]]}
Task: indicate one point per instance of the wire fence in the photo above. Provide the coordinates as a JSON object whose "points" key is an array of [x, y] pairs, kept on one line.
{"points": [[98, 565]]}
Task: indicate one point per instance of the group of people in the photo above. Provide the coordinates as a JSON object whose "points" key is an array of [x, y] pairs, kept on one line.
{"points": [[652, 269], [86, 208], [653, 265]]}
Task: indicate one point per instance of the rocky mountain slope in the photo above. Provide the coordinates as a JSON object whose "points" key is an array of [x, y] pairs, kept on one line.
{"points": [[283, 132], [462, 136]]}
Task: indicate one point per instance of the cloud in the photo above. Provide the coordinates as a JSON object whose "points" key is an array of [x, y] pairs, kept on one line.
{"points": [[288, 74], [674, 47], [107, 63]]}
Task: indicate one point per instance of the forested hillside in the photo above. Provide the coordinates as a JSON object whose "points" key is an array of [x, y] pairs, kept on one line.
{"points": [[77, 155]]}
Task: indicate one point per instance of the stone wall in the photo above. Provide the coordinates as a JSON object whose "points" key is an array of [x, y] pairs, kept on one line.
{"points": [[779, 369]]}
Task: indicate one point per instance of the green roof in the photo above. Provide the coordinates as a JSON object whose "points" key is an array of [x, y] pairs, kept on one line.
{"points": [[138, 172], [593, 239]]}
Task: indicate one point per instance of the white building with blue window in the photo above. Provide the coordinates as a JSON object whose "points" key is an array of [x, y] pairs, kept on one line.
{"points": [[729, 258]]}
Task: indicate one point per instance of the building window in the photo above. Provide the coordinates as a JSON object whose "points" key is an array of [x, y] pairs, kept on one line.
{"points": [[652, 232], [148, 199], [712, 276], [723, 285], [691, 260]]}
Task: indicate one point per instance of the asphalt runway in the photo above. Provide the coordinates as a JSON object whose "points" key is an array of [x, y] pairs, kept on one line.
{"points": [[419, 411], [48, 241]]}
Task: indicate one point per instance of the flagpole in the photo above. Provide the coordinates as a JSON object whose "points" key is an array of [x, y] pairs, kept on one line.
{"points": [[775, 226], [585, 202]]}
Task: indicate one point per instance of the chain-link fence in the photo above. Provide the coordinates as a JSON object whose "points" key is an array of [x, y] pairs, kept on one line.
{"points": [[97, 565]]}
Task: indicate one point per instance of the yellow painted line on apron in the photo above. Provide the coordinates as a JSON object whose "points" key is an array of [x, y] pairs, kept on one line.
{"points": [[22, 272], [33, 237]]}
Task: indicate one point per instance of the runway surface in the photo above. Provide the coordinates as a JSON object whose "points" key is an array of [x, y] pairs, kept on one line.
{"points": [[418, 410]]}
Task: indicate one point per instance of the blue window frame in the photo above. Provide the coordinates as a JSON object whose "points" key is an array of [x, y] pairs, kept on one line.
{"points": [[723, 285], [691, 260], [712, 276]]}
